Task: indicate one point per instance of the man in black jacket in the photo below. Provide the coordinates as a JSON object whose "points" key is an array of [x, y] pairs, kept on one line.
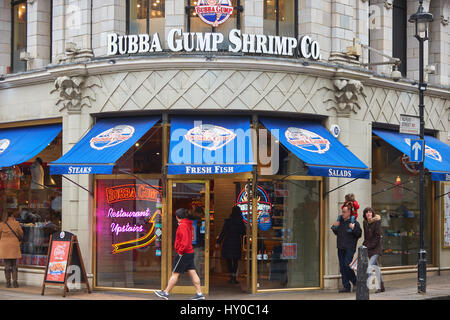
{"points": [[346, 245]]}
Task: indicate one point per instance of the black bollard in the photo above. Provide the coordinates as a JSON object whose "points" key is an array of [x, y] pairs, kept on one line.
{"points": [[362, 291]]}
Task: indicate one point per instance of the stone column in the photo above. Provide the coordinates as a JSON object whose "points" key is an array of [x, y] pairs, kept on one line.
{"points": [[175, 17], [342, 29], [107, 17], [71, 30], [252, 17], [439, 43], [74, 96], [77, 204], [5, 35], [356, 135], [38, 38], [314, 18], [380, 28]]}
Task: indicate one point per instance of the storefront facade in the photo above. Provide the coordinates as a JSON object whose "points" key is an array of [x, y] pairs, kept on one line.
{"points": [[123, 216]]}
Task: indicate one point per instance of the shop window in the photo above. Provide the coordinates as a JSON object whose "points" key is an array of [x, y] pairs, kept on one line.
{"points": [[195, 24], [395, 197], [280, 17], [128, 218], [288, 234], [146, 16], [35, 198], [128, 233], [145, 156], [19, 35], [399, 34]]}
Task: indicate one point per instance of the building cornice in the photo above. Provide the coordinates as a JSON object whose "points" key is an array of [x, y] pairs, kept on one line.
{"points": [[109, 65]]}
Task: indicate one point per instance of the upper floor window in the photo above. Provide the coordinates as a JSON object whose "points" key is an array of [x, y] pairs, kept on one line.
{"points": [[280, 17], [146, 16], [195, 24], [19, 35], [399, 35]]}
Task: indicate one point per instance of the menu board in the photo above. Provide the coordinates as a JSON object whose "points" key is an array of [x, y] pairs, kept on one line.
{"points": [[63, 252], [58, 257], [446, 217], [57, 265]]}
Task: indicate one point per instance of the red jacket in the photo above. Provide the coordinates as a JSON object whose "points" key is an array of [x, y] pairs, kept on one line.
{"points": [[183, 237], [355, 207]]}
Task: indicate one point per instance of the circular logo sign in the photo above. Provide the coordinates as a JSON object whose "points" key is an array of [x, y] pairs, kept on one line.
{"points": [[264, 207], [4, 144], [214, 12], [210, 137], [307, 140], [429, 152], [112, 137], [410, 167]]}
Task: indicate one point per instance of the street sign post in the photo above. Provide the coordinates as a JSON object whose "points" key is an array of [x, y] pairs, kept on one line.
{"points": [[409, 124], [417, 151]]}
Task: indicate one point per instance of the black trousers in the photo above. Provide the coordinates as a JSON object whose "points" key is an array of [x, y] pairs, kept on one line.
{"points": [[232, 264]]}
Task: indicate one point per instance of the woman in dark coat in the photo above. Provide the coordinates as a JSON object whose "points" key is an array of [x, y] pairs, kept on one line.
{"points": [[231, 240], [372, 240]]}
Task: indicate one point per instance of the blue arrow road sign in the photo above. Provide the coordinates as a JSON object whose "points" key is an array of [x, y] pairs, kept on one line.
{"points": [[416, 153]]}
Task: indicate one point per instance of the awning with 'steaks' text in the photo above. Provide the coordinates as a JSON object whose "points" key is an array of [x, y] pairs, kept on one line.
{"points": [[98, 151]]}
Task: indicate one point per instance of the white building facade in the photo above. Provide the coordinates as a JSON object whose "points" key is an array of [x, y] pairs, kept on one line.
{"points": [[55, 69]]}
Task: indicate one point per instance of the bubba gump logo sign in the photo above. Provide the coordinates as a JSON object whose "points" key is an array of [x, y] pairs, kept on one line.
{"points": [[134, 192], [209, 136], [214, 12]]}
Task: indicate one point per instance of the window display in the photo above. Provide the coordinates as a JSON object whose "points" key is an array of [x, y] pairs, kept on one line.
{"points": [[37, 204], [289, 234], [395, 197]]}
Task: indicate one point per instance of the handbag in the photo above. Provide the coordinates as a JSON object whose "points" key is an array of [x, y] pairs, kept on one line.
{"points": [[18, 237]]}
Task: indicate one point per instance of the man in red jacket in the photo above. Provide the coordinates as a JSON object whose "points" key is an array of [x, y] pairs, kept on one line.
{"points": [[184, 260]]}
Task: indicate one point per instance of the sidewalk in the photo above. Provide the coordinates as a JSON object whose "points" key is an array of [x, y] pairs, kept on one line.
{"points": [[438, 287]]}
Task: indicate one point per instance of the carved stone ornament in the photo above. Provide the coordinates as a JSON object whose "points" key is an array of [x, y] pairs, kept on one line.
{"points": [[346, 96], [75, 92], [444, 21], [388, 4]]}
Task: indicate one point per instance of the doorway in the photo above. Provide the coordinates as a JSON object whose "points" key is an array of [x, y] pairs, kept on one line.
{"points": [[195, 197], [209, 203]]}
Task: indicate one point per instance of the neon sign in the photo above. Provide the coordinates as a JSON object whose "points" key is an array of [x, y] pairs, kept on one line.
{"points": [[141, 242], [132, 192], [131, 210]]}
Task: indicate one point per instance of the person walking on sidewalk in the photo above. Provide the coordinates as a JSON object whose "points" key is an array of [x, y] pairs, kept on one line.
{"points": [[372, 240], [231, 240], [184, 260], [11, 235], [346, 245]]}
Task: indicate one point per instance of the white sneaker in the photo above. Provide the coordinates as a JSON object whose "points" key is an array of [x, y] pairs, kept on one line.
{"points": [[198, 297], [162, 294]]}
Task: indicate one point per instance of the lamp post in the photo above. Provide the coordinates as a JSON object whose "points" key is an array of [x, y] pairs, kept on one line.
{"points": [[421, 19]]}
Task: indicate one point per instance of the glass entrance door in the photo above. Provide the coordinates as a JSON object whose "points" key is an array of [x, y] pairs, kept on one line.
{"points": [[195, 197]]}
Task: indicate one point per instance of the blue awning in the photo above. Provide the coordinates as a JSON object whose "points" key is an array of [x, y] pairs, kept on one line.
{"points": [[18, 145], [313, 144], [210, 145], [98, 151], [437, 153]]}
